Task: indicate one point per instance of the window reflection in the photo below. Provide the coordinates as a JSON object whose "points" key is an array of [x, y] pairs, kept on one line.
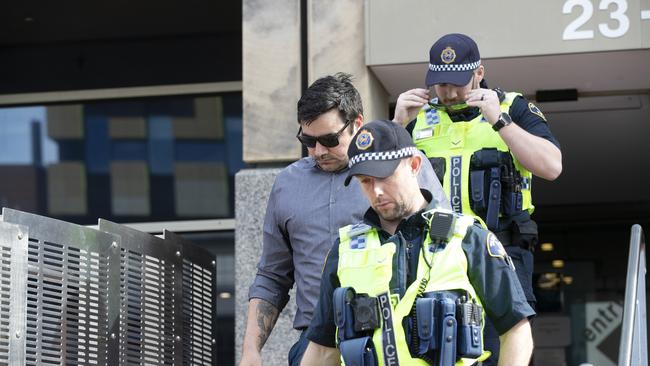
{"points": [[151, 159]]}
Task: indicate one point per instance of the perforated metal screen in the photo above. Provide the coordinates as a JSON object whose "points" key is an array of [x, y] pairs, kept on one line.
{"points": [[107, 297], [198, 304], [66, 292], [147, 310]]}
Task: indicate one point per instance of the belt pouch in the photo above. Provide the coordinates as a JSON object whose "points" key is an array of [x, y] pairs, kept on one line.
{"points": [[426, 324], [477, 178], [447, 353], [358, 352], [469, 330], [343, 315]]}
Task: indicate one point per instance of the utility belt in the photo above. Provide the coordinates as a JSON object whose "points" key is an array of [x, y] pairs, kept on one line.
{"points": [[495, 186], [443, 327]]}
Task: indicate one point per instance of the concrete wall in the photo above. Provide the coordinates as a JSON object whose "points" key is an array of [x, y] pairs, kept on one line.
{"points": [[400, 33]]}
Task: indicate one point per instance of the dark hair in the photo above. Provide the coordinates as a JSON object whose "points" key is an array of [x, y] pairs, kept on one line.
{"points": [[328, 92]]}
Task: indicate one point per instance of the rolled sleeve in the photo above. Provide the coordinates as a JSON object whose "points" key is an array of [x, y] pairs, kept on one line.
{"points": [[495, 282], [322, 329], [275, 270]]}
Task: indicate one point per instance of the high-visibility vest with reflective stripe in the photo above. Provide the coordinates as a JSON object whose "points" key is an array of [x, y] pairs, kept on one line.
{"points": [[439, 137], [369, 268]]}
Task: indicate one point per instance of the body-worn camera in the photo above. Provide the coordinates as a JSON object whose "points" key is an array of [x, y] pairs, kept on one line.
{"points": [[366, 313]]}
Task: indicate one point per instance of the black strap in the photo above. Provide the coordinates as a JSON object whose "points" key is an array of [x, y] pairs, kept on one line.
{"points": [[494, 199]]}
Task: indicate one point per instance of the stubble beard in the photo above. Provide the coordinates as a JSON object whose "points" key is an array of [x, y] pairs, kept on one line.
{"points": [[395, 214]]}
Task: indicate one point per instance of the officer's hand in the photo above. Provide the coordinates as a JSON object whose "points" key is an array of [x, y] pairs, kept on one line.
{"points": [[409, 103], [488, 101]]}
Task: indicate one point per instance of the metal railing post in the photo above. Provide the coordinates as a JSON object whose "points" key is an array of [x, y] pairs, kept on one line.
{"points": [[633, 348]]}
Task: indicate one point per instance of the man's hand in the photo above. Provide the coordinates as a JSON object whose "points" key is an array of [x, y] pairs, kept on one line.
{"points": [[488, 101], [262, 316], [408, 105]]}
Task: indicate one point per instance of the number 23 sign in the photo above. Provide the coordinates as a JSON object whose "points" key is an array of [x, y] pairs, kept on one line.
{"points": [[617, 25]]}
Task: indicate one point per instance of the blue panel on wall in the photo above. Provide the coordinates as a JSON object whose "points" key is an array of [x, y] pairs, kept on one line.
{"points": [[98, 144], [161, 145]]}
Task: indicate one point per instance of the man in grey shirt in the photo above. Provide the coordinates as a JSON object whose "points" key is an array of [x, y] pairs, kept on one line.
{"points": [[307, 206]]}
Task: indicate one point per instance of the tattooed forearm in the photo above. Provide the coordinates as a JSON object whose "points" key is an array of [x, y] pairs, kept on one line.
{"points": [[267, 315]]}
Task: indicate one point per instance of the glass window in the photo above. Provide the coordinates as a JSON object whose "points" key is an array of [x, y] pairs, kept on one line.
{"points": [[135, 160]]}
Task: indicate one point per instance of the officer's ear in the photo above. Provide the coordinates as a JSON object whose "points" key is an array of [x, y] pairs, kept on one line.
{"points": [[479, 74], [415, 162]]}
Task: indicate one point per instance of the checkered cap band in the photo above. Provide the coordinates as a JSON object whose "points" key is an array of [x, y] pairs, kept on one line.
{"points": [[383, 155], [455, 67]]}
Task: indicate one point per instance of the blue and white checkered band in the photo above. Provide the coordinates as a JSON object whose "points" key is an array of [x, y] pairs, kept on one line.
{"points": [[432, 117], [525, 183], [364, 140], [448, 55], [383, 155], [358, 242], [455, 67]]}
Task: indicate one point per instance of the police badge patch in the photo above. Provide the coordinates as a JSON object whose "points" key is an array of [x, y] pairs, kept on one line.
{"points": [[448, 55], [533, 108], [494, 247], [364, 140]]}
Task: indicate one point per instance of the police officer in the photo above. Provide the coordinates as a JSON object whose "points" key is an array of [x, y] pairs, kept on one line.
{"points": [[485, 145], [408, 285]]}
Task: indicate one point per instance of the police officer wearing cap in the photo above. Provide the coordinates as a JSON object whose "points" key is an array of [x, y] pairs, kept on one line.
{"points": [[412, 283], [485, 145]]}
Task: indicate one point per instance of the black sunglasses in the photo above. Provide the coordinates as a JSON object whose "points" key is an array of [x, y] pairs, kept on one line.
{"points": [[327, 140]]}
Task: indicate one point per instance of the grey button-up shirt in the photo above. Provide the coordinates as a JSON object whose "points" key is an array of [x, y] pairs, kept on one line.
{"points": [[306, 208]]}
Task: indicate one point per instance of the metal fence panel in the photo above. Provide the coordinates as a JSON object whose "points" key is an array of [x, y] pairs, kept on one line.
{"points": [[13, 290], [67, 298], [150, 293], [72, 295], [198, 306]]}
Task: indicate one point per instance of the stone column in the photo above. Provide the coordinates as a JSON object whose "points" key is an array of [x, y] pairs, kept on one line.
{"points": [[252, 188], [337, 42], [271, 79]]}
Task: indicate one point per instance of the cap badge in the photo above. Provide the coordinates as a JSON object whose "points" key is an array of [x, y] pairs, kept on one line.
{"points": [[448, 55], [364, 140]]}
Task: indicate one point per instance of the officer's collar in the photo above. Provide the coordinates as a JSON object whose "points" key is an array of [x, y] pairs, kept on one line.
{"points": [[372, 218], [465, 115]]}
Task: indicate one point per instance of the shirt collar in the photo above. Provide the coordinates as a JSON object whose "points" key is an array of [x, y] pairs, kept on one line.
{"points": [[312, 163]]}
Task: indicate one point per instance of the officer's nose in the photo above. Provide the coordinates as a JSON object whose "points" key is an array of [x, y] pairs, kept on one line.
{"points": [[450, 94], [378, 189]]}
